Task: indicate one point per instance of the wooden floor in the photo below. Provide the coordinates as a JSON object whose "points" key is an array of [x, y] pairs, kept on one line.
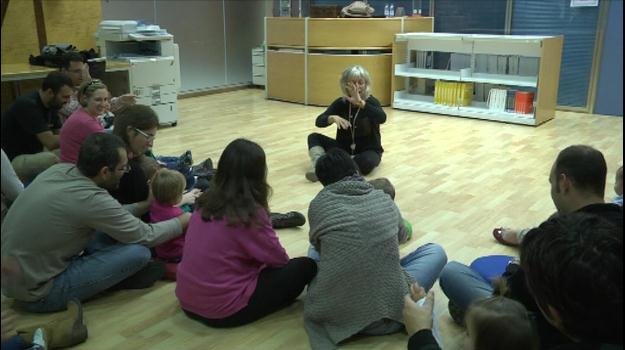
{"points": [[455, 178]]}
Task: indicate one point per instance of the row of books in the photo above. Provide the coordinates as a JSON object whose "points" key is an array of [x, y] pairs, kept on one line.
{"points": [[451, 93], [510, 100]]}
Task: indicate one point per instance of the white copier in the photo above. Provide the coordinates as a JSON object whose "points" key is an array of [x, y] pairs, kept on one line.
{"points": [[154, 73]]}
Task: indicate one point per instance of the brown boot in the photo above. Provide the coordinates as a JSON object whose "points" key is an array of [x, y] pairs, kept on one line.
{"points": [[67, 330], [314, 153]]}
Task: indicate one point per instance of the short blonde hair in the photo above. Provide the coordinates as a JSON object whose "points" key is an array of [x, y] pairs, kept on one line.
{"points": [[167, 186], [87, 89], [355, 72]]}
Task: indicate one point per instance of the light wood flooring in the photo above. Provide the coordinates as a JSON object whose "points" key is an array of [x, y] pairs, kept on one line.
{"points": [[455, 178]]}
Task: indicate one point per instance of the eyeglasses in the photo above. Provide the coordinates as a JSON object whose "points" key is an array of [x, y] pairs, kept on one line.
{"points": [[149, 137], [94, 82]]}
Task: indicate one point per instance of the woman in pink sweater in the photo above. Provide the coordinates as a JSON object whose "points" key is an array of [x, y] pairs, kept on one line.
{"points": [[234, 270], [94, 100]]}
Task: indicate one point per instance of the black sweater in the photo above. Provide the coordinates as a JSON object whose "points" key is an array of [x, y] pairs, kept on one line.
{"points": [[367, 130]]}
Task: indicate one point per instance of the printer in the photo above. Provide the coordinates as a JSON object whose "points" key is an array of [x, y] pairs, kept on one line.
{"points": [[154, 64]]}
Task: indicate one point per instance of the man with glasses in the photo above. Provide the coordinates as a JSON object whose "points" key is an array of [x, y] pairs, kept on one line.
{"points": [[75, 67], [71, 239]]}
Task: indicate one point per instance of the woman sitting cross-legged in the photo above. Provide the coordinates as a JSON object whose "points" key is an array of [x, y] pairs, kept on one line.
{"points": [[361, 282], [234, 270], [357, 115]]}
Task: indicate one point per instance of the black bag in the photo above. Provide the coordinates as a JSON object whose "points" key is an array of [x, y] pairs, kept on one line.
{"points": [[54, 55]]}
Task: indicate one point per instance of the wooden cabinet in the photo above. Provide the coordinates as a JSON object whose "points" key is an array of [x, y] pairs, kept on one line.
{"points": [[491, 67], [305, 56]]}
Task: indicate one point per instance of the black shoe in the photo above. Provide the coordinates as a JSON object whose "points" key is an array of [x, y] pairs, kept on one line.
{"points": [[202, 184], [185, 161], [144, 278], [204, 169], [456, 313], [290, 219]]}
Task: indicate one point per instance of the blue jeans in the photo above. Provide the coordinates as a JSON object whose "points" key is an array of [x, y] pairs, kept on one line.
{"points": [[173, 164], [105, 263], [15, 343], [463, 285], [425, 264]]}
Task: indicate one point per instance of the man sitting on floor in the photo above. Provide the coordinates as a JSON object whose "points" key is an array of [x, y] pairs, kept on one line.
{"points": [[578, 178], [31, 126], [71, 239]]}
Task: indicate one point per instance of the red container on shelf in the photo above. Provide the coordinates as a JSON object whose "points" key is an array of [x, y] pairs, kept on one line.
{"points": [[524, 102]]}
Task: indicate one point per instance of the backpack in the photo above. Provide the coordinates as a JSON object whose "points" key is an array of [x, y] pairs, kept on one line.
{"points": [[357, 9], [54, 55]]}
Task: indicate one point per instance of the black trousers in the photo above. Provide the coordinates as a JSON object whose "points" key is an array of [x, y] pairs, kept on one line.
{"points": [[366, 160], [276, 288]]}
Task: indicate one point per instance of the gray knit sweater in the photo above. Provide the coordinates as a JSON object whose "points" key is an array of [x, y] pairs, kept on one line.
{"points": [[359, 279]]}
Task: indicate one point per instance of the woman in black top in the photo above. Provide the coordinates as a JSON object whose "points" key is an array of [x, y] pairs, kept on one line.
{"points": [[357, 116], [137, 126]]}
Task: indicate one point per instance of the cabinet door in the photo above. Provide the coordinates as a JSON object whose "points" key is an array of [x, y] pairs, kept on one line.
{"points": [[152, 71], [286, 76]]}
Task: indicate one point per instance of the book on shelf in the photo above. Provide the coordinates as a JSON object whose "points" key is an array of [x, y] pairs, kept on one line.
{"points": [[511, 101], [453, 93], [510, 96]]}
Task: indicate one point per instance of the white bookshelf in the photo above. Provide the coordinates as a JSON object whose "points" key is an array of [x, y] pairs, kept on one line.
{"points": [[546, 50], [405, 70]]}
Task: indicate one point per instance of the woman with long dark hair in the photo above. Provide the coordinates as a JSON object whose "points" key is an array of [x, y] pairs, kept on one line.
{"points": [[234, 270]]}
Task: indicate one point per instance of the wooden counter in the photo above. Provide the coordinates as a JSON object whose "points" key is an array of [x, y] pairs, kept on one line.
{"points": [[25, 71]]}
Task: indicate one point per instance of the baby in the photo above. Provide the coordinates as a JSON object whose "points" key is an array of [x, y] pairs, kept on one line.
{"points": [[405, 228], [167, 187]]}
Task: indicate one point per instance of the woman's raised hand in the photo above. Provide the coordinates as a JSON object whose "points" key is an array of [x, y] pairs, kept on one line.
{"points": [[353, 97]]}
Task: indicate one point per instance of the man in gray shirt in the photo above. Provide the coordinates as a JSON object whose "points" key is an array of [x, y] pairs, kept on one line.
{"points": [[71, 239]]}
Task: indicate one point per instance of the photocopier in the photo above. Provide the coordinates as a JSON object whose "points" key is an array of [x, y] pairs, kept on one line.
{"points": [[154, 73]]}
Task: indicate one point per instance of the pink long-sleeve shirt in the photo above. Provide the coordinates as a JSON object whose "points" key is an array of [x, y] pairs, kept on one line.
{"points": [[221, 264], [173, 248], [74, 132]]}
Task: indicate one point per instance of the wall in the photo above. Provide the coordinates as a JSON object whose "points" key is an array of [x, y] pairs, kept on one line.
{"points": [[66, 21], [609, 98], [475, 16], [378, 5], [215, 37], [578, 25]]}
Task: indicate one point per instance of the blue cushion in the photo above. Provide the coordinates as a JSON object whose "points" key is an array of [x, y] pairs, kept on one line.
{"points": [[491, 267]]}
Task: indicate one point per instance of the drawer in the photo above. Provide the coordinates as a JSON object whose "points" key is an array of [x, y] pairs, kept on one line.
{"points": [[258, 70], [258, 80], [258, 59]]}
